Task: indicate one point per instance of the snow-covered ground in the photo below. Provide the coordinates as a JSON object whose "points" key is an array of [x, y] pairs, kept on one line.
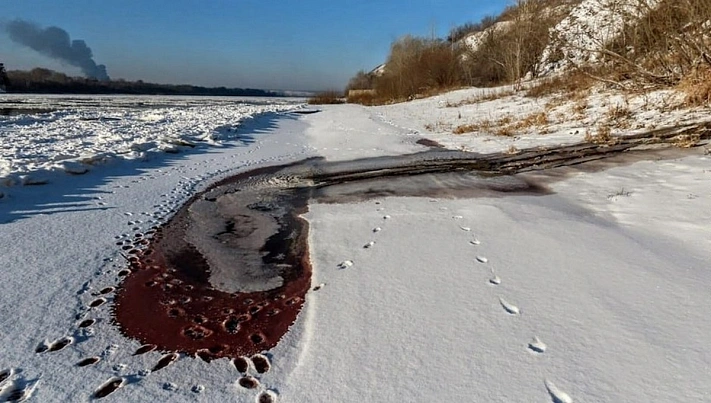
{"points": [[592, 293], [81, 132]]}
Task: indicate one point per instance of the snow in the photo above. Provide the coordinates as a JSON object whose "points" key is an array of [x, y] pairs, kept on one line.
{"points": [[589, 26], [84, 131], [592, 293]]}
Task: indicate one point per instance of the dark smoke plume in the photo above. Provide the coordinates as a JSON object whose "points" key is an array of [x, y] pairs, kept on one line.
{"points": [[55, 43]]}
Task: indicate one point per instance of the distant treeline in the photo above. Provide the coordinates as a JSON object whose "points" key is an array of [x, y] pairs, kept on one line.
{"points": [[46, 81]]}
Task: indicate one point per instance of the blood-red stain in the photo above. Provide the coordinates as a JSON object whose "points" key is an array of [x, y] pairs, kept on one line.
{"points": [[168, 301]]}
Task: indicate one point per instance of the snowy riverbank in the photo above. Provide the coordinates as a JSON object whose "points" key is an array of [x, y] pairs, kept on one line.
{"points": [[590, 293]]}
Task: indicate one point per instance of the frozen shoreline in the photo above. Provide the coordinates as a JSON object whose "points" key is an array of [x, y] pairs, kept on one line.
{"points": [[444, 305]]}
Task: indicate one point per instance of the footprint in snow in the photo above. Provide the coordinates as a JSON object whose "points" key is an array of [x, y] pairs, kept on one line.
{"points": [[197, 389], [108, 387], [266, 396], [146, 348], [537, 346], [369, 245], [386, 217], [18, 390], [97, 302], [457, 217], [319, 286], [377, 229], [88, 361], [241, 364], [345, 264], [248, 382], [495, 280], [166, 360], [509, 308], [5, 374], [261, 363], [42, 347], [465, 229], [556, 394], [60, 344], [482, 259], [475, 242]]}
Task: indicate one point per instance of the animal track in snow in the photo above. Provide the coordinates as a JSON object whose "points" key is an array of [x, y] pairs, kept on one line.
{"points": [[5, 374], [266, 396], [18, 390], [465, 229], [457, 217], [345, 264], [108, 387], [197, 389], [369, 245], [119, 367], [86, 323], [537, 346], [42, 347], [509, 308], [146, 348], [495, 280], [241, 364], [88, 361], [60, 344], [97, 302], [109, 351], [386, 217], [319, 286], [475, 242], [170, 386], [166, 360], [261, 363], [556, 394], [377, 229], [482, 259], [248, 382]]}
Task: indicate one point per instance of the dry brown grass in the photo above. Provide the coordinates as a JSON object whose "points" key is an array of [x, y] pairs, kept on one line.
{"points": [[619, 116], [687, 140], [506, 126], [580, 106], [512, 150], [697, 88], [602, 136], [326, 98], [574, 82]]}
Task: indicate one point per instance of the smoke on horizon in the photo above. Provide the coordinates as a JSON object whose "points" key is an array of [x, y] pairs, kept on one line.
{"points": [[55, 43]]}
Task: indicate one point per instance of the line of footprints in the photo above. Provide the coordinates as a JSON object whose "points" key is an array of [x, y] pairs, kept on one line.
{"points": [[93, 303], [536, 346]]}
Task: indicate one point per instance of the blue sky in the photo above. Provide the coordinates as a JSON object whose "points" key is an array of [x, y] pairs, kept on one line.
{"points": [[299, 45]]}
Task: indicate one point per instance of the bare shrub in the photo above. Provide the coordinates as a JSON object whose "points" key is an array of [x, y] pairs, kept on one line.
{"points": [[364, 97], [509, 53], [460, 32], [573, 81], [697, 88], [419, 66], [327, 97], [361, 81], [660, 44], [603, 135]]}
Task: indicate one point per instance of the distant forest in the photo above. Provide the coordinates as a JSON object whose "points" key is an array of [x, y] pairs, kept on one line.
{"points": [[46, 81]]}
